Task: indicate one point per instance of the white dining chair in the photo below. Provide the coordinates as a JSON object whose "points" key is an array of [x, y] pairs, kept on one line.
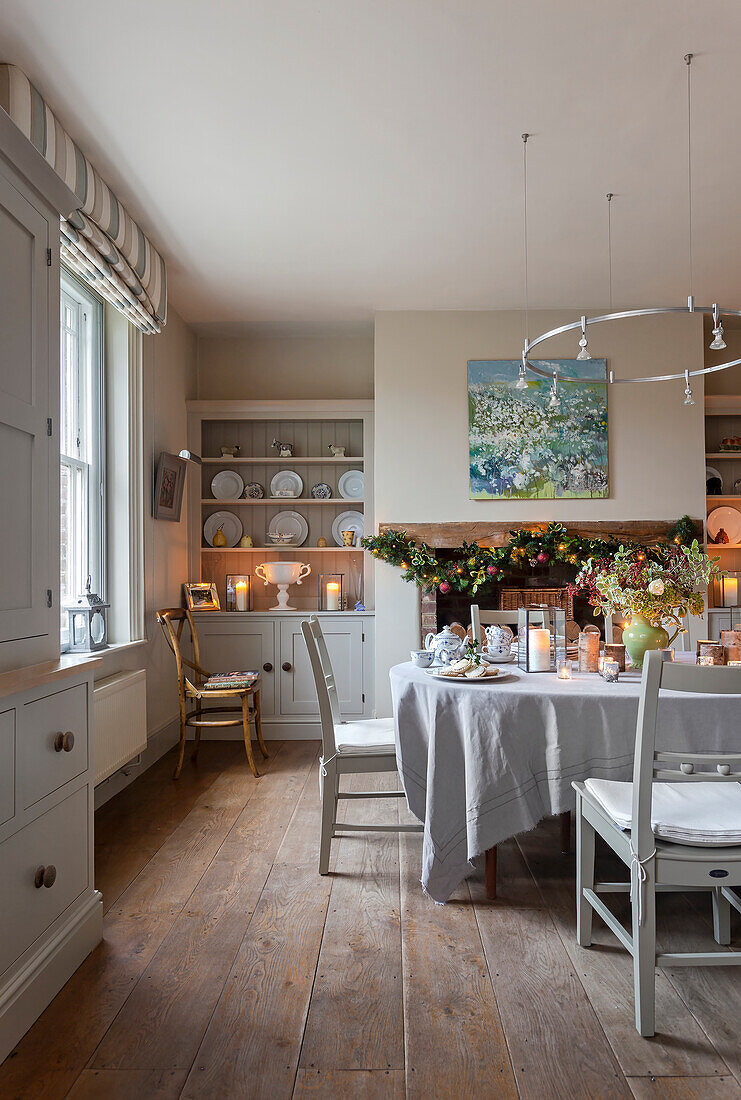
{"points": [[347, 748], [481, 618], [694, 842]]}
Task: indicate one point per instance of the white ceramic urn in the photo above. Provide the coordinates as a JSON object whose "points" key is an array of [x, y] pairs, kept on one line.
{"points": [[282, 573]]}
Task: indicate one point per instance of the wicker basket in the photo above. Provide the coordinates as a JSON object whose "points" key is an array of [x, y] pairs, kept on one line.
{"points": [[510, 599]]}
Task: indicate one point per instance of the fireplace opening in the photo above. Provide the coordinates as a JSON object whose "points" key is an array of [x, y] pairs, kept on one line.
{"points": [[442, 609]]}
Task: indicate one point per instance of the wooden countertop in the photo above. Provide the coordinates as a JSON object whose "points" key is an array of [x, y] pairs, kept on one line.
{"points": [[33, 676]]}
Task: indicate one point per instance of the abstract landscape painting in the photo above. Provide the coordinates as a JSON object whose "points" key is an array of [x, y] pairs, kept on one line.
{"points": [[522, 448]]}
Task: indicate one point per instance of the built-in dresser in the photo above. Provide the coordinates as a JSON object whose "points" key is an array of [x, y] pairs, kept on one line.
{"points": [[51, 916]]}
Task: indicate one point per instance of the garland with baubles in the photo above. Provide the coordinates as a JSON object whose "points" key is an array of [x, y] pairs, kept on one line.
{"points": [[475, 566]]}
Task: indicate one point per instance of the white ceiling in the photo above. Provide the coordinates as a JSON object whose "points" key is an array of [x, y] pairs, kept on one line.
{"points": [[317, 161]]}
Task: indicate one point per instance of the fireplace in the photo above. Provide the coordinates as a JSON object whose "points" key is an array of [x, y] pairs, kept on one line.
{"points": [[437, 610]]}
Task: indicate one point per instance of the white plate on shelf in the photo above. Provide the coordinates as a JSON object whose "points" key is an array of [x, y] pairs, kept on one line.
{"points": [[727, 518], [710, 471], [348, 521], [502, 678], [352, 485], [290, 523], [286, 480], [227, 485], [230, 524]]}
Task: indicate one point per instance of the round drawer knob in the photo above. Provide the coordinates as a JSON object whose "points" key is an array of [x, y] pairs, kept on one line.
{"points": [[286, 666], [45, 876], [267, 667], [64, 741]]}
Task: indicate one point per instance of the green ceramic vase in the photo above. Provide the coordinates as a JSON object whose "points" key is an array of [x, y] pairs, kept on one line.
{"points": [[640, 636]]}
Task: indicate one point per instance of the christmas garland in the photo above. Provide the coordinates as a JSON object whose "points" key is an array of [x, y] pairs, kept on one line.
{"points": [[475, 566]]}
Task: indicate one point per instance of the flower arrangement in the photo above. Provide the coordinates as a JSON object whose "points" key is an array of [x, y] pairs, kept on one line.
{"points": [[661, 588]]}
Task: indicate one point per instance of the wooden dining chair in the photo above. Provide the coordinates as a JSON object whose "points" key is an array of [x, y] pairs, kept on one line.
{"points": [[480, 619], [172, 621], [347, 748], [697, 862]]}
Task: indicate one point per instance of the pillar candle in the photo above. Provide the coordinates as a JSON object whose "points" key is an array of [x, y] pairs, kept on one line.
{"points": [[730, 591], [333, 596], [731, 642], [539, 650], [588, 650], [240, 592]]}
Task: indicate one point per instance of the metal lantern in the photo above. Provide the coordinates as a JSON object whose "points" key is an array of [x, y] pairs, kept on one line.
{"points": [[541, 638], [238, 592], [86, 622], [330, 591]]}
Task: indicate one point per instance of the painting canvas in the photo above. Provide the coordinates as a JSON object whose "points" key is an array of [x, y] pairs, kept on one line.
{"points": [[521, 448]]}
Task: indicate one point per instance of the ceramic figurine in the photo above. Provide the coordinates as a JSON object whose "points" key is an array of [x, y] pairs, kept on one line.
{"points": [[246, 542], [321, 542], [285, 450], [219, 538], [230, 451], [446, 645], [336, 452]]}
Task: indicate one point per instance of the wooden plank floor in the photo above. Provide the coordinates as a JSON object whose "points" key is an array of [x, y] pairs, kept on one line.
{"points": [[231, 969]]}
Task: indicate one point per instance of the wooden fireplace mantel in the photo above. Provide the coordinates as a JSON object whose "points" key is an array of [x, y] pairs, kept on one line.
{"points": [[446, 536]]}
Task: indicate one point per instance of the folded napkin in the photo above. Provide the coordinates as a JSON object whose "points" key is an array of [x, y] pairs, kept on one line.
{"points": [[689, 813], [230, 680]]}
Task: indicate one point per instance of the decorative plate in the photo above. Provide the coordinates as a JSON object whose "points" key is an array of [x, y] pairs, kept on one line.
{"points": [[348, 521], [286, 480], [289, 523], [230, 524], [321, 491], [227, 485], [254, 491], [502, 678], [352, 485], [710, 471], [727, 518]]}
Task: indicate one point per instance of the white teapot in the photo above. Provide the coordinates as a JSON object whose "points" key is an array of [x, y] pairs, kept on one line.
{"points": [[498, 641], [446, 646]]}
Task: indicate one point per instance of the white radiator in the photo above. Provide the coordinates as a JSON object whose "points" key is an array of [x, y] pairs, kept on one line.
{"points": [[120, 729]]}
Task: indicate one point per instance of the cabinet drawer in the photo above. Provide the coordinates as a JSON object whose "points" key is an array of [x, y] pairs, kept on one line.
{"points": [[58, 838], [7, 765], [44, 764]]}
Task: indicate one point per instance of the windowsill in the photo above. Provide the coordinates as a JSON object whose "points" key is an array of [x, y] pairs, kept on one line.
{"points": [[113, 647]]}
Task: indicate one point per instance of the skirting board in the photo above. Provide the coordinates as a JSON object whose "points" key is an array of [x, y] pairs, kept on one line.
{"points": [[44, 974]]}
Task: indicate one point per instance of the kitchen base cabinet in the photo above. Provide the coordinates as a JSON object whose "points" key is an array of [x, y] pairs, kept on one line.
{"points": [[274, 645], [51, 915]]}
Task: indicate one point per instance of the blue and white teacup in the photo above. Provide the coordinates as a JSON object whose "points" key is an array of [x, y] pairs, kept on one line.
{"points": [[422, 658]]}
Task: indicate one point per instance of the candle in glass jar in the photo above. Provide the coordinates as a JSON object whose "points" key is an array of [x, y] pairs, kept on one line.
{"points": [[539, 650], [240, 593], [564, 668], [333, 596]]}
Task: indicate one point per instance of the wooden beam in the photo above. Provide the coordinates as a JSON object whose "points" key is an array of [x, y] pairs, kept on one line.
{"points": [[447, 536]]}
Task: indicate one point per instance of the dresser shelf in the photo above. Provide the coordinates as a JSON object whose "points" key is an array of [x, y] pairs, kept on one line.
{"points": [[348, 460]]}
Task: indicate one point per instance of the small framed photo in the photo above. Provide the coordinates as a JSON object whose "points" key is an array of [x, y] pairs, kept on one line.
{"points": [[202, 596], [168, 487]]}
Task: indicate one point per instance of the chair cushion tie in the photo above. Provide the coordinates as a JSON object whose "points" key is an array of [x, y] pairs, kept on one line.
{"points": [[638, 876]]}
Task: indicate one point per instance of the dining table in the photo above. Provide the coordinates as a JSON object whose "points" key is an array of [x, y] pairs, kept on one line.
{"points": [[483, 760]]}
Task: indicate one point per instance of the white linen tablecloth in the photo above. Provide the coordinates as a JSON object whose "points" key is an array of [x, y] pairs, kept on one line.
{"points": [[482, 762]]}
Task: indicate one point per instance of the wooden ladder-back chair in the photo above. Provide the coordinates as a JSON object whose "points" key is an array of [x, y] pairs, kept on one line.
{"points": [[172, 620], [347, 747], [656, 864]]}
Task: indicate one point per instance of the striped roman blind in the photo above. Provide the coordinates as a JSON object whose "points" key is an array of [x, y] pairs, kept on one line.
{"points": [[100, 240]]}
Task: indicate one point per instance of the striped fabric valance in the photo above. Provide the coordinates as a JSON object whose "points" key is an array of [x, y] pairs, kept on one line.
{"points": [[100, 240]]}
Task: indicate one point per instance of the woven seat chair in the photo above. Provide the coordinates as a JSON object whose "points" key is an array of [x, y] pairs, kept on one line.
{"points": [[172, 621]]}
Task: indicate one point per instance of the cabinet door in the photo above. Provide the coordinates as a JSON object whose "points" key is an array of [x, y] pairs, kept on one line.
{"points": [[240, 645], [24, 408], [344, 639]]}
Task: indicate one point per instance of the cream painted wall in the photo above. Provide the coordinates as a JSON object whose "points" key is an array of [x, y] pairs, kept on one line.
{"points": [[168, 380], [287, 365], [657, 464]]}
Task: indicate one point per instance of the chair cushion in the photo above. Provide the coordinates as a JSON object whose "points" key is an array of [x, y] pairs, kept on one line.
{"points": [[688, 813], [374, 735]]}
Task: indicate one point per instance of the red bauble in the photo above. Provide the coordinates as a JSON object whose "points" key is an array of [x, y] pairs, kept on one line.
{"points": [[543, 558], [491, 570], [444, 588]]}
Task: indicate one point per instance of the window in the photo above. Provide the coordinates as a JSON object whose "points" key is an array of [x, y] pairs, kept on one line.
{"points": [[81, 437]]}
